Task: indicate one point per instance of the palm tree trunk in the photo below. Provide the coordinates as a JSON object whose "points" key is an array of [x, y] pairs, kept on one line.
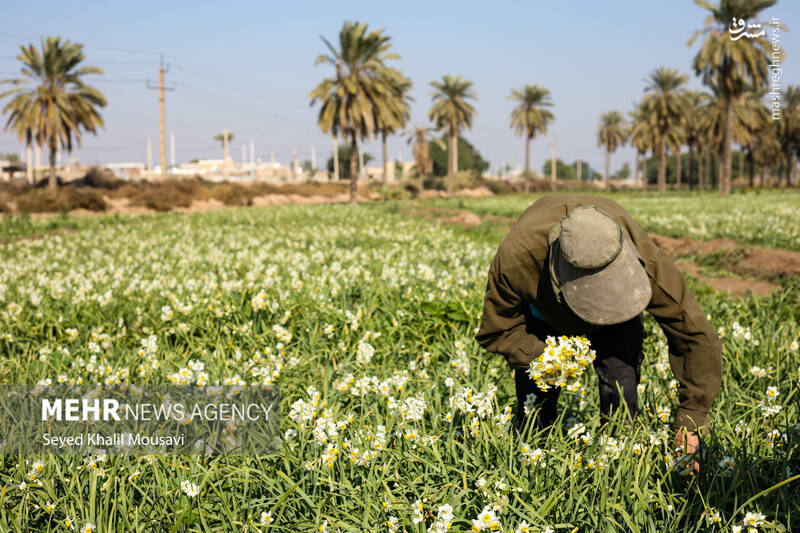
{"points": [[527, 156], [638, 167], [335, 159], [354, 170], [644, 171], [662, 166], [385, 162], [701, 174], [721, 171], [741, 163], [727, 155], [452, 166], [678, 171], [608, 168], [751, 164], [52, 182]]}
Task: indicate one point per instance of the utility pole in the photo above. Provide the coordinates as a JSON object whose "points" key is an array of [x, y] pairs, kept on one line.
{"points": [[313, 159], [225, 153], [149, 154], [172, 149], [294, 163], [579, 170], [252, 158], [335, 159], [244, 156], [161, 115], [553, 162]]}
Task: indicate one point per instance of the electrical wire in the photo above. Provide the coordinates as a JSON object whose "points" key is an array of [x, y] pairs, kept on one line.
{"points": [[242, 85]]}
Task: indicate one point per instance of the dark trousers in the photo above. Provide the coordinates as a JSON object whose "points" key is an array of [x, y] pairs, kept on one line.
{"points": [[618, 362]]}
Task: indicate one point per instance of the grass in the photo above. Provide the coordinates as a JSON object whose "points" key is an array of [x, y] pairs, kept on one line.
{"points": [[212, 286]]}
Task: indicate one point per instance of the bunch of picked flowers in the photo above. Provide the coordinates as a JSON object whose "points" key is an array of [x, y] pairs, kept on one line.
{"points": [[562, 362]]}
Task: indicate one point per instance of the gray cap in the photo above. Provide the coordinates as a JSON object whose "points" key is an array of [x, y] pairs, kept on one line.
{"points": [[596, 268]]}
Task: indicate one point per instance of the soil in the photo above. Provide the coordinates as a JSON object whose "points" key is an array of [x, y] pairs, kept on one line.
{"points": [[686, 246], [465, 218], [770, 263], [478, 192], [736, 286]]}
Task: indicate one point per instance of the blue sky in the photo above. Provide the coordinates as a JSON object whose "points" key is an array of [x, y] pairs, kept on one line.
{"points": [[249, 66]]}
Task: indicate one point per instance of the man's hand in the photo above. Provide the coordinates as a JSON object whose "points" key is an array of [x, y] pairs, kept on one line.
{"points": [[686, 443]]}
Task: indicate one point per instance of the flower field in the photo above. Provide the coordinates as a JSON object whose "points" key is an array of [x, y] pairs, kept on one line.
{"points": [[393, 418], [761, 218]]}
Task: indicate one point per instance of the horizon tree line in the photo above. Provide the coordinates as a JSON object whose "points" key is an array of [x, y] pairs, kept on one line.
{"points": [[366, 98]]}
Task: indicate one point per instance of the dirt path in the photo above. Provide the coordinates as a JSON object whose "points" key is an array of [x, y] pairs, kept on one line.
{"points": [[736, 286], [769, 263]]}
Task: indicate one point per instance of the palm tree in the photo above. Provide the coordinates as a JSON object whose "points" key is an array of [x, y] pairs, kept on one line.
{"points": [[395, 110], [747, 117], [451, 111], [611, 134], [755, 118], [530, 117], [642, 139], [664, 106], [767, 149], [420, 139], [695, 100], [728, 66], [51, 103], [789, 129], [224, 139], [350, 98]]}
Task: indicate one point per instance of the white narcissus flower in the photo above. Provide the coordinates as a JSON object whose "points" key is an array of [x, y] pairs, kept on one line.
{"points": [[772, 392], [189, 488], [753, 519], [416, 514]]}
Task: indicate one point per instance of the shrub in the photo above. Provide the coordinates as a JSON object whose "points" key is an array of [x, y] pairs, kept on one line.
{"points": [[161, 197], [60, 199], [165, 195], [307, 188], [233, 194], [85, 198], [98, 178], [42, 201]]}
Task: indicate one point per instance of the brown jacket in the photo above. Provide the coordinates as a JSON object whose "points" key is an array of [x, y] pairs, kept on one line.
{"points": [[519, 276]]}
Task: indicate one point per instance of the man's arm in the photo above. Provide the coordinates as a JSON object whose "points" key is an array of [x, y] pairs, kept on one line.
{"points": [[695, 351], [503, 325]]}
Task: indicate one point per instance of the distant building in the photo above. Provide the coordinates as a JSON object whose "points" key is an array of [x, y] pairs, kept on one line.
{"points": [[127, 171], [9, 170]]}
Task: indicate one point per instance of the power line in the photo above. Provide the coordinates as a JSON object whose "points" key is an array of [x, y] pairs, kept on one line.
{"points": [[239, 104], [254, 90], [109, 148], [120, 80], [88, 45], [236, 106]]}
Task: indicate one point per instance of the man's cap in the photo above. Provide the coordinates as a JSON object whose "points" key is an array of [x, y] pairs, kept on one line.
{"points": [[595, 267]]}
